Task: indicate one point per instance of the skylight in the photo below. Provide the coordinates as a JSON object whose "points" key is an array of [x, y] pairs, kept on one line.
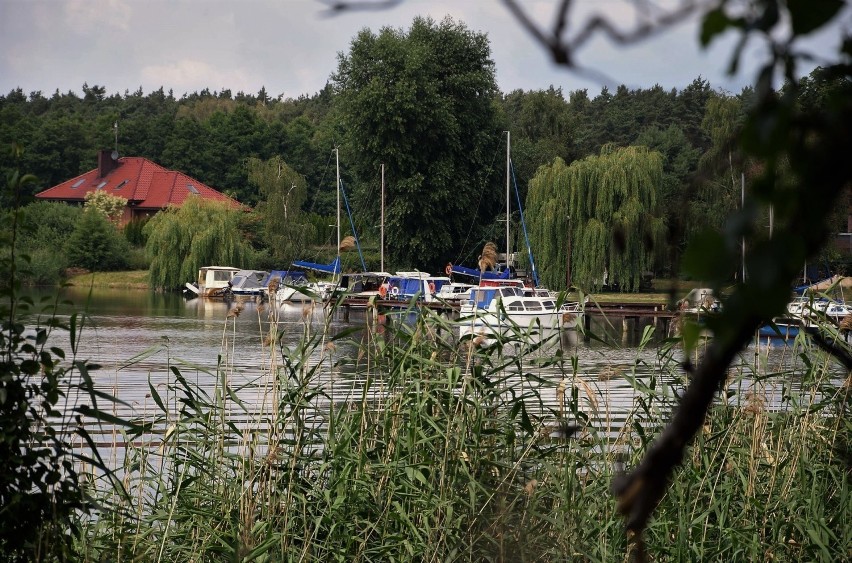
{"points": [[101, 185], [78, 183], [192, 189], [121, 185]]}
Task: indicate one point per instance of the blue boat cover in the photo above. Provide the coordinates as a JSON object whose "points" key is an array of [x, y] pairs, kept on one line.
{"points": [[487, 275], [287, 276], [333, 268]]}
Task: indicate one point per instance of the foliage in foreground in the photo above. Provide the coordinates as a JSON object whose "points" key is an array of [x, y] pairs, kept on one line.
{"points": [[41, 496], [399, 443]]}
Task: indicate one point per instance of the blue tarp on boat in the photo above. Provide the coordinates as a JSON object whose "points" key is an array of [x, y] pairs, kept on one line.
{"points": [[333, 268], [286, 276], [487, 275]]}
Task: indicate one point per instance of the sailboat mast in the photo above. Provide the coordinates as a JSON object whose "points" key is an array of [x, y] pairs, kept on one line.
{"points": [[382, 230], [337, 167], [508, 197]]}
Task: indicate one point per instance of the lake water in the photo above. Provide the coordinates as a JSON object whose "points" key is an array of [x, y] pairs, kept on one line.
{"points": [[137, 337]]}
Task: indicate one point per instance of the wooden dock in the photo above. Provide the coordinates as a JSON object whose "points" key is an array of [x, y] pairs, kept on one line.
{"points": [[631, 315]]}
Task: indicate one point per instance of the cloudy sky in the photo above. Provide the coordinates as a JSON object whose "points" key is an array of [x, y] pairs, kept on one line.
{"points": [[291, 46]]}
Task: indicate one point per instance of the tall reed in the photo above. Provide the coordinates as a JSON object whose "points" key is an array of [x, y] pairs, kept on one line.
{"points": [[395, 441]]}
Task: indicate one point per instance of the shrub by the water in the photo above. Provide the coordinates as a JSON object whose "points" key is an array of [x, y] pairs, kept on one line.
{"points": [[96, 245]]}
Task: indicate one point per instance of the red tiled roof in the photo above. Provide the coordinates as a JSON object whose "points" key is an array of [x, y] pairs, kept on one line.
{"points": [[145, 184]]}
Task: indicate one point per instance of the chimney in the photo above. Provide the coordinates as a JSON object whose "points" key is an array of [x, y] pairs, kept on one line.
{"points": [[107, 162]]}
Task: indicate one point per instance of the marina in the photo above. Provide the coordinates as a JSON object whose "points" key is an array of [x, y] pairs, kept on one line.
{"points": [[139, 337]]}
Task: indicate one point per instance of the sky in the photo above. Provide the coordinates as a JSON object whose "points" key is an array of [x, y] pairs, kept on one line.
{"points": [[290, 47]]}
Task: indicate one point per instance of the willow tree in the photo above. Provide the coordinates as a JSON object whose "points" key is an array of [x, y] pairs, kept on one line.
{"points": [[602, 211], [199, 233], [283, 192]]}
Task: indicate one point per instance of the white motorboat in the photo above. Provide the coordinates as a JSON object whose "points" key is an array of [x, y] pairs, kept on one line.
{"points": [[498, 307]]}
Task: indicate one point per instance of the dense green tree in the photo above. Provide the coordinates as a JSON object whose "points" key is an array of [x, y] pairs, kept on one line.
{"points": [[680, 159], [542, 129], [284, 229], [43, 229], [721, 166], [601, 210], [421, 102], [96, 245], [187, 149], [58, 150], [199, 233]]}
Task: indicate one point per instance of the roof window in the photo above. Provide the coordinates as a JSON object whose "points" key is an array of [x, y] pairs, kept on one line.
{"points": [[101, 185], [121, 185], [78, 183], [192, 189]]}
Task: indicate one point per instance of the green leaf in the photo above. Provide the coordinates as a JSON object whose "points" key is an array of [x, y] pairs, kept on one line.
{"points": [[691, 333], [715, 23], [807, 15], [156, 396], [706, 257]]}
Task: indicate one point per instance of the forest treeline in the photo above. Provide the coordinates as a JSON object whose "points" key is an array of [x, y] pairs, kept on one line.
{"points": [[225, 139]]}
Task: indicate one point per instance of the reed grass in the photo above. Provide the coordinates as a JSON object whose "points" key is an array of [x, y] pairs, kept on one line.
{"points": [[397, 442]]}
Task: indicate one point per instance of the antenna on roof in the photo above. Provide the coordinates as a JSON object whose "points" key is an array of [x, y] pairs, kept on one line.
{"points": [[114, 154]]}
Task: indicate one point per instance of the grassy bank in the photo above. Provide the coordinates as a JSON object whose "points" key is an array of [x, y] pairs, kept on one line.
{"points": [[136, 279], [447, 451]]}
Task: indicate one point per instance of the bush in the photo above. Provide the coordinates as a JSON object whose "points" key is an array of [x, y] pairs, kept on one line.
{"points": [[134, 233], [42, 229], [41, 497], [96, 245], [137, 259]]}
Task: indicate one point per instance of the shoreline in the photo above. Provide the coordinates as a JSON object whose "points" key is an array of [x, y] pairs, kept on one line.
{"points": [[133, 279], [138, 280]]}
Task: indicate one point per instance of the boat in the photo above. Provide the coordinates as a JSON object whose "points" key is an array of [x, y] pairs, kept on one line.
{"points": [[497, 308], [327, 290], [502, 300], [454, 293], [250, 283], [403, 287], [212, 282], [700, 300], [296, 288], [359, 288]]}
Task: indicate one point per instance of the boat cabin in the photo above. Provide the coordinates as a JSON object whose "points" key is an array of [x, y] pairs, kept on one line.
{"points": [[213, 281], [404, 286]]}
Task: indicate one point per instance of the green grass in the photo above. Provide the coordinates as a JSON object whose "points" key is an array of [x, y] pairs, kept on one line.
{"points": [[136, 279], [441, 452]]}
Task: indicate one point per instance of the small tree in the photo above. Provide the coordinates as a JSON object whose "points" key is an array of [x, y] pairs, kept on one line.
{"points": [[199, 233], [96, 245], [284, 229], [112, 206]]}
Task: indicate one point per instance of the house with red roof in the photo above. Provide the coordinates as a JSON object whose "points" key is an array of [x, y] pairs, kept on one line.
{"points": [[147, 186]]}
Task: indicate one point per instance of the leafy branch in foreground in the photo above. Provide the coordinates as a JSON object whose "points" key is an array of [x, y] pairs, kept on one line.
{"points": [[41, 494], [815, 145]]}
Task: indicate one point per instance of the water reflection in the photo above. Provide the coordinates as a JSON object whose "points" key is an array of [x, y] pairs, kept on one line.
{"points": [[138, 336]]}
